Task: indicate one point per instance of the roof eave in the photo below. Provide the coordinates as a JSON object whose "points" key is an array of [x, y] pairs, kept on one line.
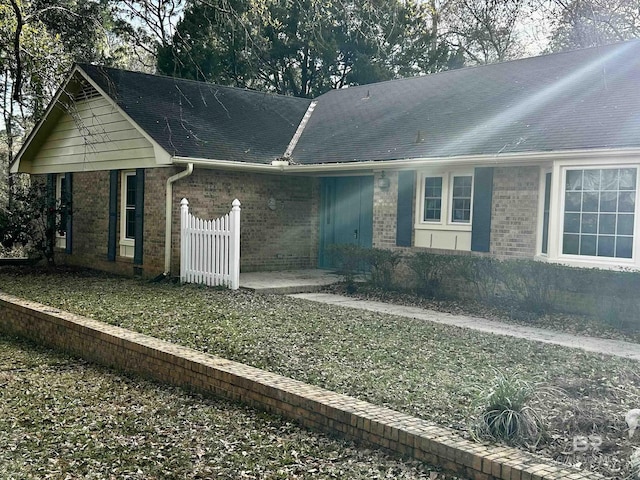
{"points": [[503, 160]]}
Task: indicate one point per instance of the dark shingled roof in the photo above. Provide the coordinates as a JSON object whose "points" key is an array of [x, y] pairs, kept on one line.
{"points": [[202, 120], [583, 99]]}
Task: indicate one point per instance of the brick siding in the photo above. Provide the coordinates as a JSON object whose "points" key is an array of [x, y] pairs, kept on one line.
{"points": [[280, 239], [514, 219], [385, 204], [308, 405]]}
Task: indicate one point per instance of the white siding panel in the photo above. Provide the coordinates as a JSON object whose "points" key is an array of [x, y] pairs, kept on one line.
{"points": [[94, 136]]}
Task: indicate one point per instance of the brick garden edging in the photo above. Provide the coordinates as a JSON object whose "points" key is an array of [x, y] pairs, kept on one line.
{"points": [[308, 405]]}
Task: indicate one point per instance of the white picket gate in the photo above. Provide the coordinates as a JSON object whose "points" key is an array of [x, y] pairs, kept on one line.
{"points": [[210, 249]]}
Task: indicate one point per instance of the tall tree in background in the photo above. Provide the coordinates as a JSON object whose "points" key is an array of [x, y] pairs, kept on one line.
{"points": [[142, 27], [485, 30], [302, 47], [38, 43], [588, 23]]}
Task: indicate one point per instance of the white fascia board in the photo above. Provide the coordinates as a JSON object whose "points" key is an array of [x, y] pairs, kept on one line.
{"points": [[502, 160], [162, 156]]}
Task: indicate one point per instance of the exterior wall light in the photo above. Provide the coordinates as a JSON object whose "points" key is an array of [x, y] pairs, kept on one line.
{"points": [[383, 182]]}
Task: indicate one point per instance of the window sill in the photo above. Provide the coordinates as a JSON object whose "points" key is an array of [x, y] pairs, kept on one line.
{"points": [[591, 262]]}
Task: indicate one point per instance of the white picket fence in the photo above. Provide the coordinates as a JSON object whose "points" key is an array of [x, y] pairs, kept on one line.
{"points": [[210, 249]]}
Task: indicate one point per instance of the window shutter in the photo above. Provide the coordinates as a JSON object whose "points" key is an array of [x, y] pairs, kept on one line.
{"points": [[114, 175], [139, 217], [68, 180], [51, 216], [482, 199], [404, 215]]}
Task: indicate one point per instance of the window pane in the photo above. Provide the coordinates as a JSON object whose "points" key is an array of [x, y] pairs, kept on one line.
{"points": [[572, 223], [609, 180], [606, 245], [572, 202], [588, 245], [570, 244], [130, 224], [433, 187], [627, 179], [590, 202], [589, 223], [625, 224], [574, 180], [624, 247], [591, 180], [608, 201], [131, 190], [607, 224], [432, 198], [461, 210], [627, 202], [432, 209]]}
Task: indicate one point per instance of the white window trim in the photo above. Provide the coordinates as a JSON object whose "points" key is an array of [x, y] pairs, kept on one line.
{"points": [[127, 245], [445, 222], [556, 216], [61, 239]]}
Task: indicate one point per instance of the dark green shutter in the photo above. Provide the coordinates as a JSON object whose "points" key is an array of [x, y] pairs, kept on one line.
{"points": [[68, 206], [51, 213], [114, 175], [482, 199], [404, 215], [139, 217]]}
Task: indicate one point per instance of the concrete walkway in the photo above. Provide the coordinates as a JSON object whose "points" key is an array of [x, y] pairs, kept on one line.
{"points": [[617, 348]]}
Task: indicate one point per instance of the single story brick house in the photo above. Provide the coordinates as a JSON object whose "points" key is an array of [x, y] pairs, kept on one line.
{"points": [[535, 158]]}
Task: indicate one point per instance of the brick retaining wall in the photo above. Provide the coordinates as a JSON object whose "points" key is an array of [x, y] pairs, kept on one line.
{"points": [[310, 406]]}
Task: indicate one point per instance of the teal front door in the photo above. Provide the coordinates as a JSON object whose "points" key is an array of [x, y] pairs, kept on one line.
{"points": [[346, 214]]}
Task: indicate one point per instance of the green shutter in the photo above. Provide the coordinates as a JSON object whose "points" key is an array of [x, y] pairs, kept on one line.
{"points": [[51, 213], [482, 200], [68, 205], [404, 215], [139, 217], [112, 239]]}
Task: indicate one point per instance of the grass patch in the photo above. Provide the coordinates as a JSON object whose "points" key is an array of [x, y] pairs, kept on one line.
{"points": [[417, 367], [62, 418]]}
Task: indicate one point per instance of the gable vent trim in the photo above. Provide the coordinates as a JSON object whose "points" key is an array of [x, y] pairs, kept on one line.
{"points": [[86, 92]]}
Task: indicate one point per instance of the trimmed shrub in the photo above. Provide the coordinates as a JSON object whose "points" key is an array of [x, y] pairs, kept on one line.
{"points": [[383, 266], [430, 271], [532, 286], [350, 260]]}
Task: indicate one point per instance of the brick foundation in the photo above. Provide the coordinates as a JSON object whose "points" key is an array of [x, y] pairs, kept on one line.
{"points": [[310, 406]]}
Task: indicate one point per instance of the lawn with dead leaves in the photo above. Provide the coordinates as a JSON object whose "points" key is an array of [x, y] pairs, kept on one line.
{"points": [[428, 370]]}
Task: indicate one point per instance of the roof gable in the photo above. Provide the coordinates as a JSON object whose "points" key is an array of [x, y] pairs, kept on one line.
{"points": [[585, 99], [202, 120]]}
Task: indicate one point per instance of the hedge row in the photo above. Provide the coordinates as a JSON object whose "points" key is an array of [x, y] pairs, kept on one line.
{"points": [[527, 285]]}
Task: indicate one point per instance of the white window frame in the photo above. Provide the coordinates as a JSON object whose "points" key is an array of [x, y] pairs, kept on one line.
{"points": [[61, 239], [557, 211], [446, 208], [127, 245]]}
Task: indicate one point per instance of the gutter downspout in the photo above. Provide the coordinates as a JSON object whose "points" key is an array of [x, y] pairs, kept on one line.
{"points": [[167, 215]]}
